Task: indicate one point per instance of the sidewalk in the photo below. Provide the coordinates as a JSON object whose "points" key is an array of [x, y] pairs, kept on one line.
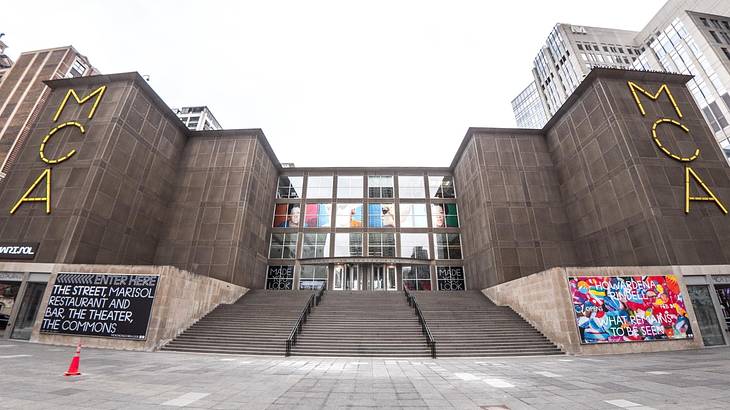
{"points": [[32, 378]]}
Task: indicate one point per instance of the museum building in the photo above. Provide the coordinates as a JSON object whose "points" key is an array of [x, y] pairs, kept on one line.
{"points": [[624, 188]]}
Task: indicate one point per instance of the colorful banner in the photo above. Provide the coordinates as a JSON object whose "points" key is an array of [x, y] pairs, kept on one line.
{"points": [[611, 309]]}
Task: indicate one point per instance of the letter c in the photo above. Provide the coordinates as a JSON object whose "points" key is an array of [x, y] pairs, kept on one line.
{"points": [[663, 148], [48, 137]]}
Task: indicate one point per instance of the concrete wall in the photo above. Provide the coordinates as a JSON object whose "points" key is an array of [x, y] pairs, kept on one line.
{"points": [[512, 220], [544, 300], [219, 219], [181, 299], [625, 197], [108, 200]]}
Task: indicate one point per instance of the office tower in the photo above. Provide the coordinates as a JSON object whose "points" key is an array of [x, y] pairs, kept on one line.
{"points": [[198, 118], [693, 37], [568, 56], [529, 109], [5, 61], [23, 93], [685, 36]]}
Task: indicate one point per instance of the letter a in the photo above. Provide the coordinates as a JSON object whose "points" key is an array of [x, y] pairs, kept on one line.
{"points": [[688, 197], [27, 198]]}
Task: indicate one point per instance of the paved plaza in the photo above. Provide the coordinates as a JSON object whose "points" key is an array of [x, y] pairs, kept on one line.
{"points": [[32, 378]]}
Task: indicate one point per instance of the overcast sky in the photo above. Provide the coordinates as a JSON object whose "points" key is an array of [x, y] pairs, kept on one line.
{"points": [[337, 83]]}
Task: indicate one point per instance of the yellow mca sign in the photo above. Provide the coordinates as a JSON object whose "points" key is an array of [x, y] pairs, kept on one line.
{"points": [[688, 171], [45, 176]]}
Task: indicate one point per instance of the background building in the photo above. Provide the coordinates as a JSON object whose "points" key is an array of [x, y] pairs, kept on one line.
{"points": [[23, 93], [5, 61], [197, 118], [568, 56], [693, 37], [529, 109], [685, 36]]}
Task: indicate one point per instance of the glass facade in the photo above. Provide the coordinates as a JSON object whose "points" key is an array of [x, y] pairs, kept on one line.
{"points": [[349, 186], [290, 187], [528, 109], [673, 49], [319, 187], [371, 228], [283, 246], [313, 277], [411, 187]]}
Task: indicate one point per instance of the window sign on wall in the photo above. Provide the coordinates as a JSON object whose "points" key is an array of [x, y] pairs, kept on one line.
{"points": [[381, 215], [287, 216]]}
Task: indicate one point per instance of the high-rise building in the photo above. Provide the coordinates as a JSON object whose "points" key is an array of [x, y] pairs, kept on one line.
{"points": [[198, 118], [568, 56], [23, 93], [693, 37], [685, 36], [529, 109], [5, 61]]}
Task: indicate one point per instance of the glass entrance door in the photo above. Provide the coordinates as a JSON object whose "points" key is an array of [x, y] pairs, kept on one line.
{"points": [[706, 316], [378, 277], [8, 294], [347, 277]]}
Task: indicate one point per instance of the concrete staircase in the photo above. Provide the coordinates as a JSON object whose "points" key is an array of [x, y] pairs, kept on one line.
{"points": [[258, 323], [363, 324], [469, 324]]}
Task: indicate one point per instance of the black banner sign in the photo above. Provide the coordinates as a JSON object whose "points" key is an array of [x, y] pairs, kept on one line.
{"points": [[100, 305], [18, 250]]}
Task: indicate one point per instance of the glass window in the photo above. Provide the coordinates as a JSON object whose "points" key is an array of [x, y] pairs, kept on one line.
{"points": [[411, 187], [706, 315], [714, 35], [381, 215], [349, 216], [313, 277], [444, 216], [28, 311], [315, 245], [348, 244], [283, 246], [349, 186], [450, 278], [413, 216], [317, 215], [417, 277], [441, 187], [380, 187], [414, 245], [381, 244], [280, 277], [287, 215], [319, 187], [447, 245], [290, 187]]}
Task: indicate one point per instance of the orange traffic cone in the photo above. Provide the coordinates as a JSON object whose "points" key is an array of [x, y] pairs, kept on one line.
{"points": [[73, 369]]}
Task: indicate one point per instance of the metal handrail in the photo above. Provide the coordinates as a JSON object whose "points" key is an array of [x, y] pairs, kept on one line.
{"points": [[318, 297], [424, 326], [292, 340]]}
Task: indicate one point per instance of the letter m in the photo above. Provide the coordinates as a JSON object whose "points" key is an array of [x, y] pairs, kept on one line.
{"points": [[99, 92], [635, 87]]}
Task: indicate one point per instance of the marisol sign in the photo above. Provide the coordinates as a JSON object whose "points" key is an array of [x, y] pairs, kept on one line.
{"points": [[18, 250], [100, 305]]}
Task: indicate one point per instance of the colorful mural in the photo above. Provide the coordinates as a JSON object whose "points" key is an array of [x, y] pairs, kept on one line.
{"points": [[610, 309]]}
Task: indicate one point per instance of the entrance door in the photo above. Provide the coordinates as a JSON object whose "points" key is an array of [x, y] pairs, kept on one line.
{"points": [[347, 277], [8, 294], [706, 315], [723, 294], [379, 281], [392, 282]]}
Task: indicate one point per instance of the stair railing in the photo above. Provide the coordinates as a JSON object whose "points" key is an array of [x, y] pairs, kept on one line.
{"points": [[430, 341], [319, 295], [292, 340]]}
